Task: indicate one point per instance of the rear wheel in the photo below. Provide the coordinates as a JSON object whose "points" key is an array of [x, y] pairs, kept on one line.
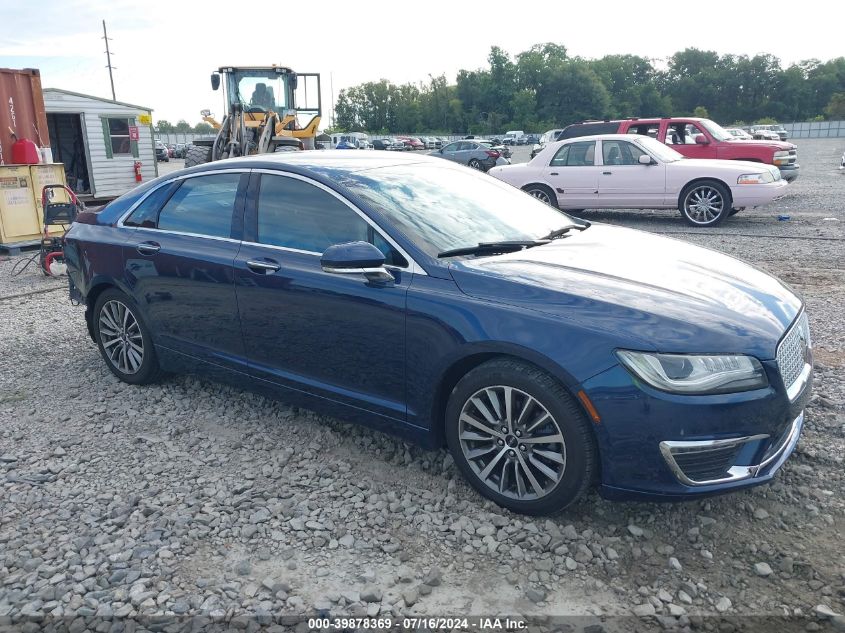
{"points": [[197, 155], [476, 164], [519, 438], [124, 340], [705, 203], [542, 193]]}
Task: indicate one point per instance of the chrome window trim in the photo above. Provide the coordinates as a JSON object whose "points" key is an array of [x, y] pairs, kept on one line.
{"points": [[169, 181], [413, 266], [183, 233]]}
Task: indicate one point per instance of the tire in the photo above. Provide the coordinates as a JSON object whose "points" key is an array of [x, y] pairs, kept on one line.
{"points": [[542, 193], [560, 472], [705, 203], [197, 155], [120, 344], [475, 164]]}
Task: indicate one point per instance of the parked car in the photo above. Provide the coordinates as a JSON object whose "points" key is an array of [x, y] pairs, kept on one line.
{"points": [[512, 137], [397, 145], [623, 171], [504, 150], [429, 141], [381, 143], [547, 137], [738, 134], [842, 164], [181, 149], [697, 138], [452, 309], [774, 132], [171, 149], [532, 139], [162, 155], [476, 154], [764, 134], [347, 144]]}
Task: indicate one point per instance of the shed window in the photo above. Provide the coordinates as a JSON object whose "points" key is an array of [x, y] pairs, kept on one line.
{"points": [[116, 137]]}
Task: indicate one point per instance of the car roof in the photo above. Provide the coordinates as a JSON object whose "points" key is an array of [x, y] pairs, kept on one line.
{"points": [[326, 159]]}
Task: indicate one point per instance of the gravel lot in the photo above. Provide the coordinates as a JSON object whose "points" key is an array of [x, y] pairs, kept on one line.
{"points": [[193, 499]]}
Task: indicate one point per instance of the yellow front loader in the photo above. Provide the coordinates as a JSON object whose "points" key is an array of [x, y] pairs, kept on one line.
{"points": [[267, 109]]}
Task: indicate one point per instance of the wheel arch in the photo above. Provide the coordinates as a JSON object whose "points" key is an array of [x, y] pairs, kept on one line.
{"points": [[460, 367], [696, 181], [98, 287]]}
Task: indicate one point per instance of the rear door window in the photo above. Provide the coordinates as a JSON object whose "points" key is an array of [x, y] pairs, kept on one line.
{"points": [[203, 205], [575, 155]]}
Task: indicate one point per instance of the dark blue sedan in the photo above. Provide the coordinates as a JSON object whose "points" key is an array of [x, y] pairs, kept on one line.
{"points": [[430, 300]]}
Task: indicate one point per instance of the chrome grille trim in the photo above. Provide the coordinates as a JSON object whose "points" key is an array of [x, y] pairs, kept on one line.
{"points": [[791, 358]]}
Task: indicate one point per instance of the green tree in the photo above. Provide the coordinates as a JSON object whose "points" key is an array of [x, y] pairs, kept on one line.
{"points": [[203, 128], [183, 126], [701, 112], [835, 108], [163, 126]]}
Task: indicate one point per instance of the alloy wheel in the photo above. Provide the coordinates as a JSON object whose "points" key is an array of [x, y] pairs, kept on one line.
{"points": [[704, 204], [512, 442], [121, 337], [541, 195]]}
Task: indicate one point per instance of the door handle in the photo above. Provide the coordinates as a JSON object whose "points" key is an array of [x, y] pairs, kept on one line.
{"points": [[263, 266], [148, 248], [554, 173], [606, 173]]}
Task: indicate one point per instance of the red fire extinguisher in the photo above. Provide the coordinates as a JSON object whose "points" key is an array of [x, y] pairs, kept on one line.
{"points": [[138, 177]]}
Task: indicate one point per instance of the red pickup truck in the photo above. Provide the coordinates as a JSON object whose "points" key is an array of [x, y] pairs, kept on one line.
{"points": [[697, 138]]}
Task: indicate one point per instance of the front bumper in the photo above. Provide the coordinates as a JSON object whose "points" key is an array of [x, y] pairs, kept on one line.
{"points": [[790, 172], [659, 446]]}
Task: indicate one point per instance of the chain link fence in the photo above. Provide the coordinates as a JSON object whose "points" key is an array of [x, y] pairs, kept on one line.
{"points": [[815, 129]]}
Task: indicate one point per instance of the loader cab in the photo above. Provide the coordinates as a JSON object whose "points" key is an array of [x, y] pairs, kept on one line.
{"points": [[258, 90]]}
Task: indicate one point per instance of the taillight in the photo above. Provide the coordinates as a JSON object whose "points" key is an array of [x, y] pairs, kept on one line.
{"points": [[492, 153]]}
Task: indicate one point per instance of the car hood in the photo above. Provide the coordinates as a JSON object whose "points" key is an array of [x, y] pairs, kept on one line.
{"points": [[717, 166], [650, 292], [777, 145]]}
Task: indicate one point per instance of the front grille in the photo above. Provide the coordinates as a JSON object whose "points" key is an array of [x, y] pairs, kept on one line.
{"points": [[792, 351], [793, 156], [707, 464]]}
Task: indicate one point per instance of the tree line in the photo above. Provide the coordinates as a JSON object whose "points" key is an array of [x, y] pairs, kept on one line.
{"points": [[182, 127], [544, 88]]}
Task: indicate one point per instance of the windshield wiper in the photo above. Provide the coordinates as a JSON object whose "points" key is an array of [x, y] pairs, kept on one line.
{"points": [[565, 229], [493, 248]]}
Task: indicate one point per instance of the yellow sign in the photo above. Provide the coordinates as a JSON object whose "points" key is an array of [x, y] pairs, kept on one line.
{"points": [[145, 119]]}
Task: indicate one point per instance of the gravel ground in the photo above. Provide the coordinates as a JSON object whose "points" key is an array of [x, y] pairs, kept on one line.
{"points": [[213, 507]]}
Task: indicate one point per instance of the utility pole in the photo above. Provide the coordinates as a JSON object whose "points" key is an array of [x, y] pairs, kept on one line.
{"points": [[331, 87], [108, 60]]}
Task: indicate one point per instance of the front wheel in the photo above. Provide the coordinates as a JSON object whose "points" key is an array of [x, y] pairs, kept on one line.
{"points": [[197, 155], [706, 203], [519, 438]]}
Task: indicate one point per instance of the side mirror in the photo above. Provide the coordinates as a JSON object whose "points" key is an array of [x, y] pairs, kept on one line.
{"points": [[701, 140], [215, 81], [356, 258], [645, 159]]}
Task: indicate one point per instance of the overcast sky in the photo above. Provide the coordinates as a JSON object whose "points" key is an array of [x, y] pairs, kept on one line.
{"points": [[164, 51]]}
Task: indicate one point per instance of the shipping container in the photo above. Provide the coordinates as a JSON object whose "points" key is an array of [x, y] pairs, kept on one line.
{"points": [[21, 110]]}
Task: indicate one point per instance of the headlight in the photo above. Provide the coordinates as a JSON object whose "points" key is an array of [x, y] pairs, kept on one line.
{"points": [[695, 374], [755, 179], [780, 158]]}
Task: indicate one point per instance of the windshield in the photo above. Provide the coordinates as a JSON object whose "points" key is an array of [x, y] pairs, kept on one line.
{"points": [[441, 207], [716, 130], [658, 149], [266, 90]]}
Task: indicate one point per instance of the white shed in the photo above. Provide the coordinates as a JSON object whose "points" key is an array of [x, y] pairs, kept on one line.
{"points": [[96, 140]]}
